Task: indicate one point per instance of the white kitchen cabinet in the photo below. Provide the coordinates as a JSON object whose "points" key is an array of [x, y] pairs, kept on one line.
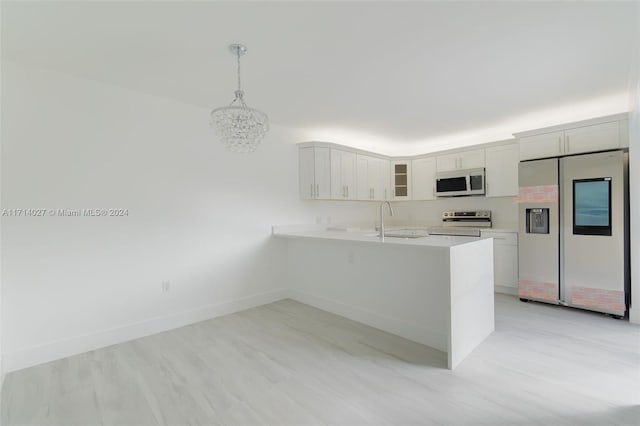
{"points": [[505, 260], [372, 178], [541, 146], [577, 140], [314, 173], [599, 137], [470, 159], [343, 175], [401, 180], [501, 174], [385, 180], [423, 178]]}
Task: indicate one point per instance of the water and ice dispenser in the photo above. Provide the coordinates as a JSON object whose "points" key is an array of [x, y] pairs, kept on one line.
{"points": [[537, 221]]}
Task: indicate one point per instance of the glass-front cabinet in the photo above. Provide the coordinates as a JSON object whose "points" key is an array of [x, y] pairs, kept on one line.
{"points": [[401, 179]]}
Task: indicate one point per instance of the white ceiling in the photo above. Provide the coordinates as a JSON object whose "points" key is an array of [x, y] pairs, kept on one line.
{"points": [[388, 76]]}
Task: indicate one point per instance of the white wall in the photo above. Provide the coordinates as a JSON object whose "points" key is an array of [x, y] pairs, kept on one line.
{"points": [[1, 205], [634, 178], [199, 216]]}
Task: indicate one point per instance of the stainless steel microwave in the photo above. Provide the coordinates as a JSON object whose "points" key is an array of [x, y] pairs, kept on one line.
{"points": [[456, 183]]}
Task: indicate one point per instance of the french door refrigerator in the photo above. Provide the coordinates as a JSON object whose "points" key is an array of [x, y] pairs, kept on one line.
{"points": [[573, 231]]}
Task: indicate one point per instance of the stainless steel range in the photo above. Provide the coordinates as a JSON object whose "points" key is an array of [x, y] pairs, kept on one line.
{"points": [[463, 223]]}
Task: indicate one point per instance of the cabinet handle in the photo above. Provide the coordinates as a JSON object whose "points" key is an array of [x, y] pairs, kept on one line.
{"points": [[560, 144], [347, 191], [311, 190], [317, 190], [568, 147], [385, 193]]}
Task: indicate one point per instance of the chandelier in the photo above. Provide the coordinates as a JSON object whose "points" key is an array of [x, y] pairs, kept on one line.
{"points": [[239, 127]]}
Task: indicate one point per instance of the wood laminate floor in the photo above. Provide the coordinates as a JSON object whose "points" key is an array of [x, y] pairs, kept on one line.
{"points": [[288, 363]]}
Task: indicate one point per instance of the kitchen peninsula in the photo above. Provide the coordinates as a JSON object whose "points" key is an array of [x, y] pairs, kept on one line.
{"points": [[435, 290]]}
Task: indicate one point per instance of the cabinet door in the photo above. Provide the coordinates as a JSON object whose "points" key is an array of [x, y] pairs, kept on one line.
{"points": [[322, 173], [472, 159], [306, 173], [364, 170], [542, 146], [349, 174], [423, 177], [343, 175], [598, 137], [445, 163], [381, 188], [400, 179], [501, 171]]}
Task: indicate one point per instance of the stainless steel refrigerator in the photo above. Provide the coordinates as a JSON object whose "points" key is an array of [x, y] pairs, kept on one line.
{"points": [[573, 231]]}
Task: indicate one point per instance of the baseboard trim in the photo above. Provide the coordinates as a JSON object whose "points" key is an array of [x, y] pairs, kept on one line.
{"points": [[395, 326], [634, 316], [80, 344], [513, 291]]}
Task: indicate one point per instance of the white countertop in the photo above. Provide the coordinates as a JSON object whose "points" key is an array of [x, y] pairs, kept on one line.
{"points": [[368, 236], [508, 230]]}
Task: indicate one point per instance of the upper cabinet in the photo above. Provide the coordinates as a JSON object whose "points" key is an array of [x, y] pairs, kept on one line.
{"points": [[423, 178], [574, 140], [372, 178], [541, 146], [314, 173], [343, 175], [501, 170], [333, 172], [470, 159], [401, 180]]}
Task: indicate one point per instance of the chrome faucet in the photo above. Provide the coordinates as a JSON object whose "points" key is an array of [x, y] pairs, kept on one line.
{"points": [[382, 217]]}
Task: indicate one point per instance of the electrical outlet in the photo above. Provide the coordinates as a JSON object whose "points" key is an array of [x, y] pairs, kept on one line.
{"points": [[166, 286]]}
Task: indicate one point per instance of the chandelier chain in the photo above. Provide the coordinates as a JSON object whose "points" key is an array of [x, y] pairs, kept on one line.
{"points": [[238, 57]]}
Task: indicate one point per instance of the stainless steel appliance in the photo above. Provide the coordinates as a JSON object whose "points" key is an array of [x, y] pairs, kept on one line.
{"points": [[460, 182], [573, 231], [463, 223]]}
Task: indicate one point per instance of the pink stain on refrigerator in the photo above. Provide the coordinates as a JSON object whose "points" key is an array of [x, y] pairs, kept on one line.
{"points": [[610, 300], [538, 290], [537, 194]]}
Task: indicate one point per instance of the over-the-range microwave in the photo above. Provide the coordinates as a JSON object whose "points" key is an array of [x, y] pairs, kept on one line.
{"points": [[460, 182]]}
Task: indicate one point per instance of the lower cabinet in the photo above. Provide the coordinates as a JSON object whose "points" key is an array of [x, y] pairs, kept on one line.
{"points": [[505, 260]]}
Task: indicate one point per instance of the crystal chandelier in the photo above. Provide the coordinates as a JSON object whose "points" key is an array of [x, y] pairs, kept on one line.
{"points": [[239, 127]]}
